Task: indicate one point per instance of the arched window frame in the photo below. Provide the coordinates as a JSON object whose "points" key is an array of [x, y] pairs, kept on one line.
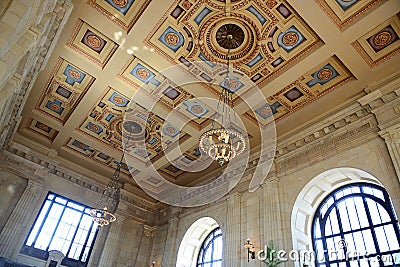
{"points": [[321, 220], [209, 243]]}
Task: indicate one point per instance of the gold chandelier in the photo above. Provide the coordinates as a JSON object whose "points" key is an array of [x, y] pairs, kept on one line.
{"points": [[104, 213], [223, 143]]}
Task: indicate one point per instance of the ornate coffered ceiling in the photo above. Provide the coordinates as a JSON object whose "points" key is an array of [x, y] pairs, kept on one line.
{"points": [[307, 58]]}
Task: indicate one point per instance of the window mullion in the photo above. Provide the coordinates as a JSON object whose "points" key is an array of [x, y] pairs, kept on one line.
{"points": [[371, 227], [87, 239], [55, 228], [43, 222], [73, 238]]}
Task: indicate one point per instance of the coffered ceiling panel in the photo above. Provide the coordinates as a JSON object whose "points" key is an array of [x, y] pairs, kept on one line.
{"points": [[122, 12], [315, 83], [89, 152], [65, 87], [381, 43], [92, 44], [267, 37], [114, 60], [345, 12]]}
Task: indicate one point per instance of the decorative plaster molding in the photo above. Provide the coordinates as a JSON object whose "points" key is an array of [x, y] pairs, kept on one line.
{"points": [[149, 231], [30, 163], [44, 36]]}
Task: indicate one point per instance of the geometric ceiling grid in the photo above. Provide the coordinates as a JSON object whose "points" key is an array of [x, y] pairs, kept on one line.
{"points": [[64, 89], [345, 12], [41, 129], [122, 12], [138, 74], [313, 84], [87, 151], [381, 43], [151, 83], [267, 37], [91, 43], [106, 123], [188, 160]]}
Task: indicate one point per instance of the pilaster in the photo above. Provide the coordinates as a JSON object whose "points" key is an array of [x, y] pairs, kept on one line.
{"points": [[272, 212], [18, 224], [170, 246], [110, 250], [233, 242]]}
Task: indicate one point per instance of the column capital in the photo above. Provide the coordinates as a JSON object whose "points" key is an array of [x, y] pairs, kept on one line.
{"points": [[149, 231], [234, 196]]}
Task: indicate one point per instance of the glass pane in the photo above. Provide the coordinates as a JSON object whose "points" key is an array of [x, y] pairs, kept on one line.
{"points": [[383, 213], [317, 229], [369, 242], [319, 249], [364, 263], [382, 240], [75, 206], [373, 210], [330, 244], [352, 213], [378, 193], [328, 227], [391, 236], [367, 190], [362, 215], [61, 200], [65, 221], [38, 223], [343, 216], [354, 264], [334, 222]]}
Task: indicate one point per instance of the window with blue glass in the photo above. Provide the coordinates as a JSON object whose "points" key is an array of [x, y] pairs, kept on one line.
{"points": [[210, 254], [64, 225], [356, 226]]}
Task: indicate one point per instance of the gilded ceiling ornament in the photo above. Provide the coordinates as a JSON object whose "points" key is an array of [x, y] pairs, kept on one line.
{"points": [[324, 74], [290, 38], [142, 73], [74, 73], [382, 38], [93, 41], [172, 38], [120, 3]]}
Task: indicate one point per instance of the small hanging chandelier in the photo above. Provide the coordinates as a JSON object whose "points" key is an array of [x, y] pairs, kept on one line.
{"points": [[104, 213], [223, 143]]}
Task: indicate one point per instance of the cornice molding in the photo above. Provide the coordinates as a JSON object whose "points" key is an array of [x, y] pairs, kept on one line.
{"points": [[28, 164]]}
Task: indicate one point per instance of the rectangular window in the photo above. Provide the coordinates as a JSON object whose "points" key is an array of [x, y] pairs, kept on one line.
{"points": [[64, 225]]}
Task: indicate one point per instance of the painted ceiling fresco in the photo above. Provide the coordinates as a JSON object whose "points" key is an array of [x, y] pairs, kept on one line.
{"points": [[110, 62]]}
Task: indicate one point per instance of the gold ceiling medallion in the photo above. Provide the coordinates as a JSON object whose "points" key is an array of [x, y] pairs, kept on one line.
{"points": [[223, 143]]}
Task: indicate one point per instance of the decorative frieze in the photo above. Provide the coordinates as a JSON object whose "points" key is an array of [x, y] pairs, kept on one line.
{"points": [[30, 163]]}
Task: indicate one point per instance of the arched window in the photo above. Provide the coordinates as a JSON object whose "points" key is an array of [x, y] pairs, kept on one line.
{"points": [[356, 226], [210, 254]]}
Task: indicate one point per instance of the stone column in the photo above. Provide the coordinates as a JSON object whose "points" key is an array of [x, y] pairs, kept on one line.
{"points": [[170, 245], [110, 250], [392, 140], [144, 251], [272, 212], [17, 227], [233, 242]]}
